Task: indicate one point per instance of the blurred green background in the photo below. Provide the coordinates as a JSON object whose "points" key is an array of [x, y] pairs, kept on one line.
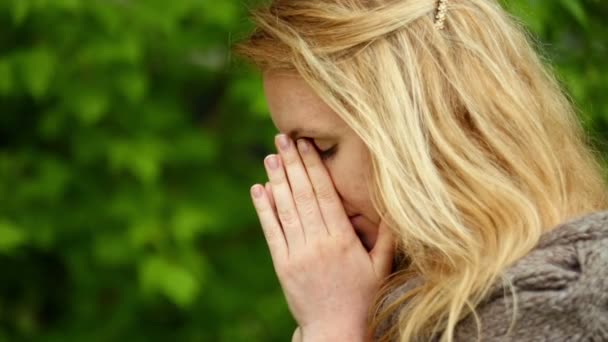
{"points": [[129, 138]]}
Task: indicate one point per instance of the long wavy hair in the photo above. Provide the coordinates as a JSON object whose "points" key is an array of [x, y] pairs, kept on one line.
{"points": [[476, 149]]}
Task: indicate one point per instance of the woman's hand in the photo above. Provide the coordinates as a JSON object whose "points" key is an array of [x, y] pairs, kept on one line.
{"points": [[328, 277], [297, 335]]}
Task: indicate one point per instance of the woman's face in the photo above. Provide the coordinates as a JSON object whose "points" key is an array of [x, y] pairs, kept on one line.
{"points": [[298, 112]]}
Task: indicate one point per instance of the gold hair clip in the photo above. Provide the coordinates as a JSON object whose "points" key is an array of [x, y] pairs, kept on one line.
{"points": [[440, 16]]}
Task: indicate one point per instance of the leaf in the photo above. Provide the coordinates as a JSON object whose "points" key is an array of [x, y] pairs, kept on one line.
{"points": [[133, 86], [181, 286], [20, 10], [221, 13], [141, 158], [11, 236], [145, 232], [157, 275], [90, 105], [112, 249], [188, 222], [37, 69], [6, 77], [104, 51], [576, 9], [68, 5]]}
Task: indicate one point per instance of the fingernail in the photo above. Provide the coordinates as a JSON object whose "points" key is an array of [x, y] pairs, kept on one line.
{"points": [[272, 162], [283, 141], [256, 191], [302, 145]]}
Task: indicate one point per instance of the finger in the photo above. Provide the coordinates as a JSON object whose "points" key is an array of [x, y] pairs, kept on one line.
{"points": [[301, 189], [270, 225], [383, 252], [332, 211], [268, 189], [297, 335], [286, 209]]}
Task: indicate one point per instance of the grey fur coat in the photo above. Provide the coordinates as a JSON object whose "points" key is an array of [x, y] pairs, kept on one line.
{"points": [[561, 287]]}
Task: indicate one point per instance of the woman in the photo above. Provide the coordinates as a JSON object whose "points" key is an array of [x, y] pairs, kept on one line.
{"points": [[433, 133]]}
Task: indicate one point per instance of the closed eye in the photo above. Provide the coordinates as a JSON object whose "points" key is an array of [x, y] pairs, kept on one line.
{"points": [[327, 153], [323, 154]]}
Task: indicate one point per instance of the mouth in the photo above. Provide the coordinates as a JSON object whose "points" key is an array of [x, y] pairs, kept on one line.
{"points": [[353, 219]]}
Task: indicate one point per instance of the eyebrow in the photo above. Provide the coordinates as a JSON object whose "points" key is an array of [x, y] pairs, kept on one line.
{"points": [[298, 132]]}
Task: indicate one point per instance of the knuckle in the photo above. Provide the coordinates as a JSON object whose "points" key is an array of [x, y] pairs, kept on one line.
{"points": [[326, 194], [324, 250], [271, 234], [304, 196], [307, 210], [345, 242], [306, 203], [287, 217], [289, 159], [264, 210]]}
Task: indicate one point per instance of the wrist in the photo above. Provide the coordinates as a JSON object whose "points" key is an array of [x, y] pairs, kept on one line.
{"points": [[335, 332]]}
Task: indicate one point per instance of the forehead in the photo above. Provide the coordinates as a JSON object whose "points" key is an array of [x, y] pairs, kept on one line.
{"points": [[293, 105]]}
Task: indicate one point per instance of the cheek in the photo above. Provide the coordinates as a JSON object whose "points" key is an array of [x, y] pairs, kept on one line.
{"points": [[355, 197], [351, 185]]}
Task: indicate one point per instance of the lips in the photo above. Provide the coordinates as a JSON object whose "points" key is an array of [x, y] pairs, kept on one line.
{"points": [[353, 219]]}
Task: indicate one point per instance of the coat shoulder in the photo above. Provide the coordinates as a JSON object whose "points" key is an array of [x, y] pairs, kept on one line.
{"points": [[559, 290]]}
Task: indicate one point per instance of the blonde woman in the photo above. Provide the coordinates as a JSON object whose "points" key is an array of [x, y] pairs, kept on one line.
{"points": [[432, 181]]}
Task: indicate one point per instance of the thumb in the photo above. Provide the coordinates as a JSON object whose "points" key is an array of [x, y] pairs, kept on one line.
{"points": [[383, 251]]}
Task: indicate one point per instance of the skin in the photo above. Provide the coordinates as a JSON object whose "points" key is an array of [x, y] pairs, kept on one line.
{"points": [[328, 276], [293, 104]]}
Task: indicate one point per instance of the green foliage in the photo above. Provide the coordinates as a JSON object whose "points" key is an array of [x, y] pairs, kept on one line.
{"points": [[128, 142], [574, 39]]}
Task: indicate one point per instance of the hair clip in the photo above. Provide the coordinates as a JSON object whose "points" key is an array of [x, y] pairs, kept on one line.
{"points": [[440, 16]]}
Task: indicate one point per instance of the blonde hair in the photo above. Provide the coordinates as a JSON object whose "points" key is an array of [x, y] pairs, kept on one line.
{"points": [[476, 150]]}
